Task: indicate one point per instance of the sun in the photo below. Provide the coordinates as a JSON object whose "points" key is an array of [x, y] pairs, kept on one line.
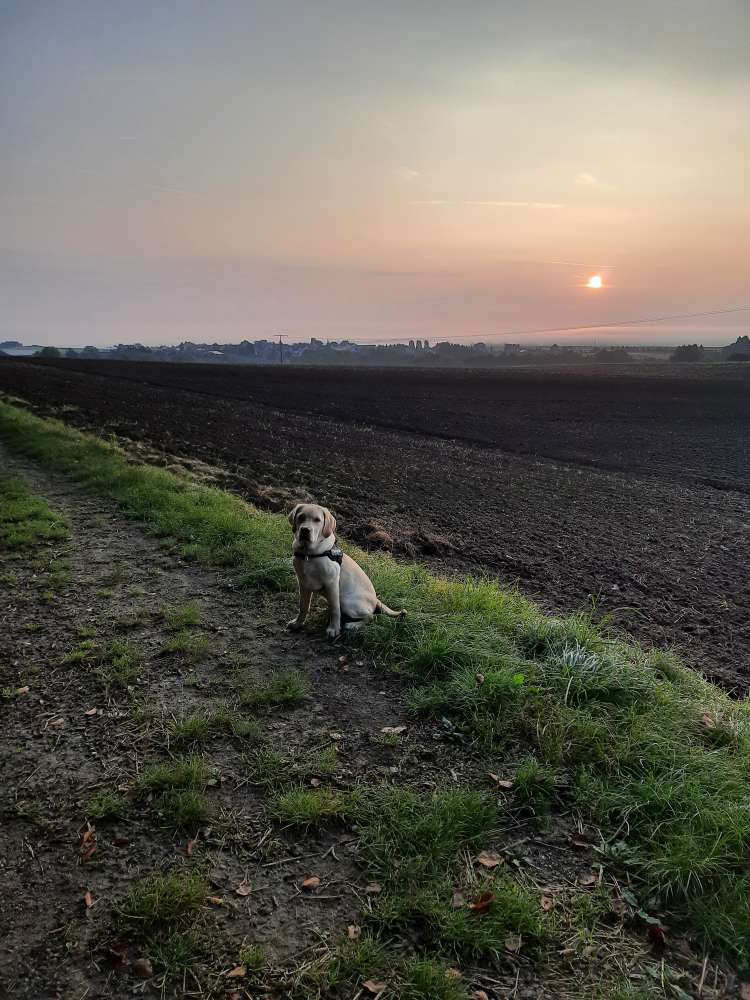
{"points": [[595, 281]]}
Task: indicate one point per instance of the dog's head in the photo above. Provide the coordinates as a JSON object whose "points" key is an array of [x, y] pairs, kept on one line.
{"points": [[310, 522]]}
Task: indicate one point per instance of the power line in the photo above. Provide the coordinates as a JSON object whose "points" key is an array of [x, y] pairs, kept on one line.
{"points": [[600, 326]]}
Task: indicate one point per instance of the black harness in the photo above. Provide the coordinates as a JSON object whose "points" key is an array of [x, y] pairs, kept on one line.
{"points": [[335, 555]]}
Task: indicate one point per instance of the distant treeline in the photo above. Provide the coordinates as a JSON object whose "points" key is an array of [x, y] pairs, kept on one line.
{"points": [[443, 353]]}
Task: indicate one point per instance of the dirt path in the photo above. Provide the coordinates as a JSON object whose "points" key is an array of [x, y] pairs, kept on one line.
{"points": [[68, 736]]}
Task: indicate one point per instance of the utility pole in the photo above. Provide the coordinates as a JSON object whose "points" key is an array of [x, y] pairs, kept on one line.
{"points": [[281, 347]]}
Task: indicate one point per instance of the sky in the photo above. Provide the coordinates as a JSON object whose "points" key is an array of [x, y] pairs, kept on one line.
{"points": [[380, 170]]}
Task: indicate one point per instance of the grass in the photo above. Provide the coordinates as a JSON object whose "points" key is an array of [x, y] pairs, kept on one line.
{"points": [[308, 807], [187, 730], [106, 804], [253, 957], [184, 806], [179, 618], [164, 899], [180, 772], [27, 521], [192, 647], [283, 687], [649, 750]]}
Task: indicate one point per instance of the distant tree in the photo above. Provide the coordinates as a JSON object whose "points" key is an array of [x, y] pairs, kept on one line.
{"points": [[739, 357], [611, 356], [90, 352], [688, 352], [70, 353], [48, 352]]}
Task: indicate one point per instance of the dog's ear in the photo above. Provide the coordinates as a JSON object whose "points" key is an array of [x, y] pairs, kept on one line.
{"points": [[329, 523], [293, 515]]}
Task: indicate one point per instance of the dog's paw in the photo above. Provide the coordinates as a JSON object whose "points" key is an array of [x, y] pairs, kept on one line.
{"points": [[333, 633], [293, 625]]}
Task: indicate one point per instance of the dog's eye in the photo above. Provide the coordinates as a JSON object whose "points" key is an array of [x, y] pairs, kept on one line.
{"points": [[317, 520]]}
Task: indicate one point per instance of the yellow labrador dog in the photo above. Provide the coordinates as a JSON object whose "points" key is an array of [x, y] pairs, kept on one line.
{"points": [[321, 566]]}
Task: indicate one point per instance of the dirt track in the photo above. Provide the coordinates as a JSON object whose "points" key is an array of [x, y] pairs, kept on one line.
{"points": [[634, 491]]}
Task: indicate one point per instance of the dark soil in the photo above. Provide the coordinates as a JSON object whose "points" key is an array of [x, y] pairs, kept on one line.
{"points": [[627, 491]]}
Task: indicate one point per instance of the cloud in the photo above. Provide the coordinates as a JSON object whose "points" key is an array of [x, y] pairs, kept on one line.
{"points": [[589, 181], [495, 204], [407, 174]]}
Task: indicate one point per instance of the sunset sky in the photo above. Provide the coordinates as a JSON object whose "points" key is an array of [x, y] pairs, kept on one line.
{"points": [[182, 170]]}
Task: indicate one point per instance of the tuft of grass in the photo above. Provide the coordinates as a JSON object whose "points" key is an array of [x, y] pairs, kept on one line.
{"points": [[184, 806], [106, 804], [179, 618], [180, 772], [308, 806], [193, 647], [282, 687], [534, 783], [428, 979], [350, 962], [81, 653], [120, 663], [174, 953], [253, 957], [200, 727], [164, 899], [27, 521], [190, 729]]}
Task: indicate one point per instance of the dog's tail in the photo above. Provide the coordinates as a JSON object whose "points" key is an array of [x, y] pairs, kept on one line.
{"points": [[383, 609]]}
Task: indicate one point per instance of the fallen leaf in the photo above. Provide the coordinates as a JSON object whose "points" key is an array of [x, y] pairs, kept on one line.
{"points": [[458, 900], [566, 952], [353, 932], [237, 972], [489, 859], [374, 987], [343, 659], [588, 878], [143, 968], [373, 888], [57, 722], [500, 782], [480, 678], [310, 883], [513, 943], [394, 730], [656, 935], [336, 736], [91, 711], [88, 844], [708, 722], [88, 900], [315, 782], [216, 900], [244, 889], [23, 690], [189, 848], [619, 906], [452, 973], [546, 903], [479, 995], [483, 903]]}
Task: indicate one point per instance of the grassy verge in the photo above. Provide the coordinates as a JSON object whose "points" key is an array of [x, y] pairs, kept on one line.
{"points": [[655, 755]]}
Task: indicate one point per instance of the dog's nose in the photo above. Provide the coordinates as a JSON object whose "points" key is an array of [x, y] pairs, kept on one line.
{"points": [[305, 532]]}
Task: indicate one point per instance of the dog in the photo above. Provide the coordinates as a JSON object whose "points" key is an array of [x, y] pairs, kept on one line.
{"points": [[321, 566]]}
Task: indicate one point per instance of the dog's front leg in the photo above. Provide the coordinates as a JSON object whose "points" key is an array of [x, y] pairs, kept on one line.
{"points": [[305, 599], [334, 607]]}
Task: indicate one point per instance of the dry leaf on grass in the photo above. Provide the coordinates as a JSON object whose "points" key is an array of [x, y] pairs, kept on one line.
{"points": [[238, 972], [373, 888], [91, 711], [546, 903], [23, 690], [88, 844], [310, 883], [482, 904], [479, 678], [394, 730], [216, 900], [588, 878], [500, 782], [458, 900], [489, 859], [244, 889], [189, 848], [513, 943], [315, 782], [708, 722], [480, 995], [373, 986], [88, 900], [353, 932], [452, 973]]}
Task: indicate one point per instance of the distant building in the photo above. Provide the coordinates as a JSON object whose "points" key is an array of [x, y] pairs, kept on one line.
{"points": [[511, 348]]}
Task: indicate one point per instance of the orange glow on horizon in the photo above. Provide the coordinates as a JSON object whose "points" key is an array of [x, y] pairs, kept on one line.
{"points": [[595, 281]]}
